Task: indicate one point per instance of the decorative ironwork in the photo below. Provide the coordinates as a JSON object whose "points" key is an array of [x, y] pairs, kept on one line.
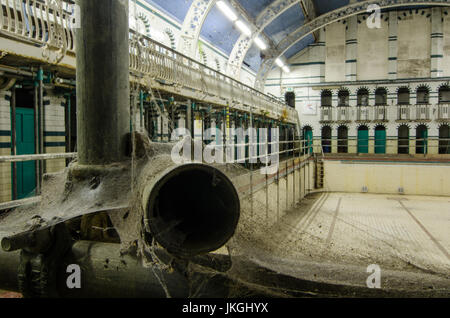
{"points": [[153, 60], [244, 42], [192, 25]]}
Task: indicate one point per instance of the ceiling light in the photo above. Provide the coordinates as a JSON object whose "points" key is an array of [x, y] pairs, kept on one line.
{"points": [[279, 62], [244, 28], [260, 43], [229, 13], [286, 69]]}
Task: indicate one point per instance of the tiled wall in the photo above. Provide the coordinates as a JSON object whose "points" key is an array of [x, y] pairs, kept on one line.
{"points": [[54, 134], [5, 145], [54, 137]]}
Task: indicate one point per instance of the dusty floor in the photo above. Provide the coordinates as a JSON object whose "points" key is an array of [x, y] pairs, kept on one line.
{"points": [[334, 237]]}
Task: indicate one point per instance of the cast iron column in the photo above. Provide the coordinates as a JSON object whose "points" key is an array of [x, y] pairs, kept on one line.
{"points": [[103, 93]]}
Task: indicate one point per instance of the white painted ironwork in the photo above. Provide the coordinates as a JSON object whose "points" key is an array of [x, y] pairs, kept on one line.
{"points": [[192, 25], [47, 24], [267, 16], [422, 112], [157, 61], [343, 113], [404, 112]]}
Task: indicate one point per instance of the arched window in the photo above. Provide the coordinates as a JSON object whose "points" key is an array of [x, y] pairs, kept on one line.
{"points": [[423, 95], [444, 94], [326, 98], [403, 96], [326, 139], [380, 97], [363, 97], [343, 98], [444, 140], [343, 139], [422, 140], [403, 139], [289, 97]]}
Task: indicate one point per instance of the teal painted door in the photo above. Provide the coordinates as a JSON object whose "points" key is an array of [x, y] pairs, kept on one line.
{"points": [[422, 140], [363, 141], [380, 141], [26, 173]]}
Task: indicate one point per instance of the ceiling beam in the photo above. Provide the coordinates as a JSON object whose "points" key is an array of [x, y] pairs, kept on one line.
{"points": [[192, 26], [326, 19], [266, 17], [309, 10]]}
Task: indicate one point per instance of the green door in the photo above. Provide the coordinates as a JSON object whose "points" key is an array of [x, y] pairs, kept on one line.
{"points": [[363, 140], [380, 140], [26, 173]]}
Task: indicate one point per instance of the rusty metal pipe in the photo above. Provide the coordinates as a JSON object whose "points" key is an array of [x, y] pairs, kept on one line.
{"points": [[191, 209]]}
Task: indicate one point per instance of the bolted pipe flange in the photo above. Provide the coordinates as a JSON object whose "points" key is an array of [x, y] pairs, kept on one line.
{"points": [[191, 209]]}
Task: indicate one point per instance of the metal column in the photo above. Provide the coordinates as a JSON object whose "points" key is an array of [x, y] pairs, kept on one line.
{"points": [[103, 90]]}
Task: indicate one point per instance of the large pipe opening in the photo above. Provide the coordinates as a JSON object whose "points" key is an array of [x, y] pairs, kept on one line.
{"points": [[193, 209]]}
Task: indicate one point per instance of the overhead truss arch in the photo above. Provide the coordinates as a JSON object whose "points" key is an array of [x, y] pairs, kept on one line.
{"points": [[329, 18], [266, 17]]}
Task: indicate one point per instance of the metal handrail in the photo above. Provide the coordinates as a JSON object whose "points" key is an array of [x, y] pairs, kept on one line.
{"points": [[48, 24], [22, 158]]}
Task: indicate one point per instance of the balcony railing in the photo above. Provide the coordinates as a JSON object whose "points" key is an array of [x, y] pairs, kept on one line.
{"points": [[380, 113], [363, 113], [422, 112], [414, 112], [404, 112], [419, 112], [444, 112], [47, 24], [41, 22], [343, 113], [326, 113], [160, 62]]}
